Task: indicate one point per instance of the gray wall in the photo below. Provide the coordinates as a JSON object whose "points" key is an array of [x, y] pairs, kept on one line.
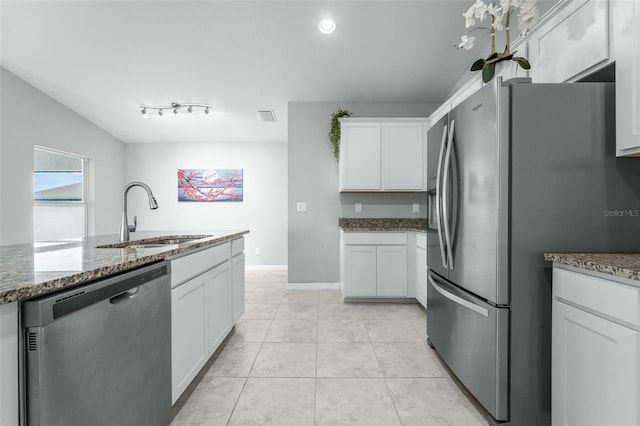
{"points": [[314, 235], [29, 117]]}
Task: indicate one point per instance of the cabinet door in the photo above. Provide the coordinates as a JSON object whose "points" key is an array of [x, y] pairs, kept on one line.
{"points": [[626, 45], [595, 370], [421, 276], [188, 336], [218, 306], [571, 42], [360, 148], [392, 271], [402, 156], [360, 271], [9, 389], [237, 274]]}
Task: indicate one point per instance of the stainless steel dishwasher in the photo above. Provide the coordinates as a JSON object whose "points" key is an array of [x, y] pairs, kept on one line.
{"points": [[100, 354]]}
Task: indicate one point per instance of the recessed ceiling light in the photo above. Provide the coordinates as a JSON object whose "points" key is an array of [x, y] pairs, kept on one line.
{"points": [[327, 26]]}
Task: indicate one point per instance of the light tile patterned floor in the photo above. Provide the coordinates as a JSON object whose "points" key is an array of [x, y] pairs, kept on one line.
{"points": [[303, 357]]}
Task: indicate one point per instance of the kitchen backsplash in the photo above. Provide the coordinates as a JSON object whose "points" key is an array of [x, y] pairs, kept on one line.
{"points": [[383, 205]]}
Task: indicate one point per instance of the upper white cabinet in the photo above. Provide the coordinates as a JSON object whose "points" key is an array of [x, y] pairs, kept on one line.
{"points": [[595, 349], [382, 154], [626, 51], [572, 41]]}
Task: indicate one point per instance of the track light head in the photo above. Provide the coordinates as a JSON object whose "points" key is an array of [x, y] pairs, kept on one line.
{"points": [[160, 113], [190, 109], [206, 110], [143, 111]]}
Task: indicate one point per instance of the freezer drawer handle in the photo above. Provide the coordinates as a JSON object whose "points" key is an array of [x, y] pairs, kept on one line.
{"points": [[460, 301]]}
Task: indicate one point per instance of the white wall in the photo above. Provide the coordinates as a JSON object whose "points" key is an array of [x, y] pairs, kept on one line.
{"points": [[29, 117], [263, 211]]}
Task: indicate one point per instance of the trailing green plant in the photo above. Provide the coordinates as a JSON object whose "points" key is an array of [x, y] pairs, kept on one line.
{"points": [[334, 133]]}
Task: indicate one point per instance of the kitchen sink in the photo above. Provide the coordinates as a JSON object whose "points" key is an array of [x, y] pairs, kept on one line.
{"points": [[156, 242]]}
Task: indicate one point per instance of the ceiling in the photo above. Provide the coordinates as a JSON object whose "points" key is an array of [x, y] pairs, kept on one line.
{"points": [[103, 59]]}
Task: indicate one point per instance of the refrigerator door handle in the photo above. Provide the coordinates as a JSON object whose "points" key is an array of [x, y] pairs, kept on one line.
{"points": [[445, 198], [459, 300], [439, 218]]}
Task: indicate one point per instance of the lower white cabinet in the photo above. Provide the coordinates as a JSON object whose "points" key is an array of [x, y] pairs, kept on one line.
{"points": [[374, 264], [218, 305], [188, 333], [237, 266], [207, 299], [421, 269], [595, 350], [9, 389]]}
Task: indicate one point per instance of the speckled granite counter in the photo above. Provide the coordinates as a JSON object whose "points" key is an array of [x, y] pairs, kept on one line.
{"points": [[382, 224], [27, 272], [618, 264]]}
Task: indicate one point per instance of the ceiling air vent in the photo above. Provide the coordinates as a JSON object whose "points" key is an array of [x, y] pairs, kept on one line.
{"points": [[267, 115]]}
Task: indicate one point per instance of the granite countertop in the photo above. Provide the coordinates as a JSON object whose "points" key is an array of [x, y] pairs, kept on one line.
{"points": [[27, 271], [624, 265], [382, 224]]}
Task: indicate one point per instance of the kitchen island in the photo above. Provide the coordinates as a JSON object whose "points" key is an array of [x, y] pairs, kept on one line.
{"points": [[28, 271]]}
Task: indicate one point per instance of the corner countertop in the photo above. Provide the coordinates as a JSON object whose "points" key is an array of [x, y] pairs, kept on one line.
{"points": [[27, 271], [624, 265], [382, 224]]}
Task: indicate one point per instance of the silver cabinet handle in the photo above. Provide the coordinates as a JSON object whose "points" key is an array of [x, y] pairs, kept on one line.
{"points": [[459, 300], [445, 198], [438, 197]]}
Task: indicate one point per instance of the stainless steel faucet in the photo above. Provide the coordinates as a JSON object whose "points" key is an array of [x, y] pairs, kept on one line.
{"points": [[125, 228]]}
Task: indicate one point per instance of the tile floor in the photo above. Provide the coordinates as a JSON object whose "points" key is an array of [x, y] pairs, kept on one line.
{"points": [[303, 357]]}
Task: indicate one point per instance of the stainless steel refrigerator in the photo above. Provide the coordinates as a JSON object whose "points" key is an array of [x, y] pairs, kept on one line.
{"points": [[517, 170]]}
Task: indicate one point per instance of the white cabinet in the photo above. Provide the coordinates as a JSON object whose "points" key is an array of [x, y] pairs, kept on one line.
{"points": [[626, 51], [9, 390], [382, 154], [218, 305], [375, 264], [595, 349], [207, 298], [360, 153], [237, 265], [402, 152], [574, 40], [188, 333], [421, 269]]}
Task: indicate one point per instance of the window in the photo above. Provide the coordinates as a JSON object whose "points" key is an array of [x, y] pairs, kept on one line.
{"points": [[59, 194]]}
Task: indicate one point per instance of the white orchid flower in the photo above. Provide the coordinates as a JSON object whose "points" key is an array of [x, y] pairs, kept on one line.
{"points": [[467, 42], [480, 10], [469, 19]]}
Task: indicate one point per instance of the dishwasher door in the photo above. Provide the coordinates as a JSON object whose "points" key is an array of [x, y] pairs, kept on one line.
{"points": [[100, 354]]}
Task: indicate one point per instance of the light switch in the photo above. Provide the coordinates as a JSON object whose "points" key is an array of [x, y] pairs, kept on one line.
{"points": [[301, 206], [358, 207], [416, 208]]}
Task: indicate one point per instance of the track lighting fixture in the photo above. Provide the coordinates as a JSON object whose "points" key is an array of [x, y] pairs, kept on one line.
{"points": [[176, 108]]}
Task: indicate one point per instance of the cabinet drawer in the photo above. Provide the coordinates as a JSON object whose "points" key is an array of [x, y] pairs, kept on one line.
{"points": [[191, 265], [237, 246], [611, 298], [375, 238]]}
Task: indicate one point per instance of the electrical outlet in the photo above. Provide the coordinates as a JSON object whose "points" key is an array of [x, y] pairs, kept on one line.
{"points": [[257, 251], [416, 208], [301, 206], [358, 207]]}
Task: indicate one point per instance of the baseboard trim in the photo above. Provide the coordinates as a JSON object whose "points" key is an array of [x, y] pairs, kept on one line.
{"points": [[266, 267], [314, 286]]}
